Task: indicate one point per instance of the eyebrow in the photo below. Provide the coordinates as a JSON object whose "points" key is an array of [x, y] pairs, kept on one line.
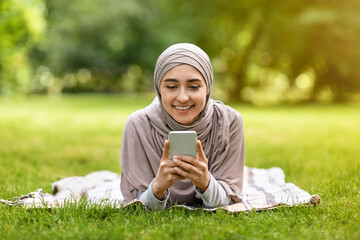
{"points": [[175, 80]]}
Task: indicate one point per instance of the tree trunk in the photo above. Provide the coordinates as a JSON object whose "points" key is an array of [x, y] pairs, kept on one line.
{"points": [[239, 67]]}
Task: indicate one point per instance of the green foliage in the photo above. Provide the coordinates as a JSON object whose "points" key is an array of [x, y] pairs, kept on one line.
{"points": [[94, 45], [45, 139], [21, 26], [292, 51], [263, 52]]}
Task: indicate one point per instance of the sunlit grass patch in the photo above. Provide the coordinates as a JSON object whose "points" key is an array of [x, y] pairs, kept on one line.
{"points": [[43, 140]]}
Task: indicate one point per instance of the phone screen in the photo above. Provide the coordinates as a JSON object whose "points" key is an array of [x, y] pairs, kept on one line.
{"points": [[182, 142]]}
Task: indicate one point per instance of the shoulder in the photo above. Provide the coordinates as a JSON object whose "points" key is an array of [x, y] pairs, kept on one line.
{"points": [[233, 116], [137, 119], [236, 124]]}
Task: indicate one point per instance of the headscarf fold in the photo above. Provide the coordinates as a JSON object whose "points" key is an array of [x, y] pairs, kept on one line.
{"points": [[152, 125]]}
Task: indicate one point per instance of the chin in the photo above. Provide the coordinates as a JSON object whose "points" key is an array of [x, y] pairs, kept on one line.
{"points": [[186, 122]]}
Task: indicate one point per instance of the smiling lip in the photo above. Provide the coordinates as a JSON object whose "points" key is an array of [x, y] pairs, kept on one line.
{"points": [[183, 109]]}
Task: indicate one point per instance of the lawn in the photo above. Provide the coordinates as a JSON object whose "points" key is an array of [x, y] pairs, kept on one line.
{"points": [[45, 139]]}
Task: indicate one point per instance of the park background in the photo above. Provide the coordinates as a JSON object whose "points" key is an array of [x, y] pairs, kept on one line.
{"points": [[263, 52], [71, 72]]}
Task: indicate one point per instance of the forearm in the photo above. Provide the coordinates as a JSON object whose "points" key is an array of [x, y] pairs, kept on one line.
{"points": [[215, 195]]}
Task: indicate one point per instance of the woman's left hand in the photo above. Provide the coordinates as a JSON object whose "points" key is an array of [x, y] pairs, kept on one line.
{"points": [[194, 169]]}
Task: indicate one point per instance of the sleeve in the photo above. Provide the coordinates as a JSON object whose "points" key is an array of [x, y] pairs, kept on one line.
{"points": [[215, 195], [229, 172], [137, 172], [150, 201]]}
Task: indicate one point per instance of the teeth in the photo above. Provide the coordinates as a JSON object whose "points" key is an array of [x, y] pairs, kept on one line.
{"points": [[182, 108]]}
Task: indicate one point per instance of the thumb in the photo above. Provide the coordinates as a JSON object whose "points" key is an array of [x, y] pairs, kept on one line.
{"points": [[200, 151], [166, 151]]}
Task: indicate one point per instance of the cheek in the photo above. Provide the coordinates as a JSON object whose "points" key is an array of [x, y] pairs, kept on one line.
{"points": [[165, 98], [202, 99]]}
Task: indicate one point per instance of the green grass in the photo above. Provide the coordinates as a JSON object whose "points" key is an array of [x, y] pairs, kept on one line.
{"points": [[43, 140]]}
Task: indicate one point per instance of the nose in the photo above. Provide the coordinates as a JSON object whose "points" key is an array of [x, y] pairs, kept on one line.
{"points": [[182, 96]]}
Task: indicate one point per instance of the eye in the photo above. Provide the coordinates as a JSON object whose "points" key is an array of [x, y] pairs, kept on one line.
{"points": [[170, 86], [194, 87]]}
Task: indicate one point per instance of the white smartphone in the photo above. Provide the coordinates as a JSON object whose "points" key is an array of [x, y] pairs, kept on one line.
{"points": [[182, 142]]}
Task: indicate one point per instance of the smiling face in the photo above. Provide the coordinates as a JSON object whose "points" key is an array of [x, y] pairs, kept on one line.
{"points": [[183, 93]]}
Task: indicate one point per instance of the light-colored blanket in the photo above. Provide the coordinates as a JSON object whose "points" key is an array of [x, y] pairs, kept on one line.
{"points": [[263, 189]]}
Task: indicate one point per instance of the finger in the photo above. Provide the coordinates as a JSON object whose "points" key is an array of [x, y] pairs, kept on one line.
{"points": [[183, 173], [166, 150], [187, 167], [189, 159], [200, 151], [193, 178], [178, 177], [174, 175], [168, 165]]}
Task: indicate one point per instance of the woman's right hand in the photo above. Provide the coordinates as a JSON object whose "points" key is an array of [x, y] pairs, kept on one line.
{"points": [[166, 175]]}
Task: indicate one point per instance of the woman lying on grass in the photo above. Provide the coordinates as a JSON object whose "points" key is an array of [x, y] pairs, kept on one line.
{"points": [[183, 79]]}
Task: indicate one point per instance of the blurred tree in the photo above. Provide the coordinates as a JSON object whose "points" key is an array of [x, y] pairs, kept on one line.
{"points": [[21, 26], [292, 38], [321, 36], [114, 41], [302, 50]]}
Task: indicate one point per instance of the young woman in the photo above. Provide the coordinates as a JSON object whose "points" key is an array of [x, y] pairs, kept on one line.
{"points": [[183, 79]]}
